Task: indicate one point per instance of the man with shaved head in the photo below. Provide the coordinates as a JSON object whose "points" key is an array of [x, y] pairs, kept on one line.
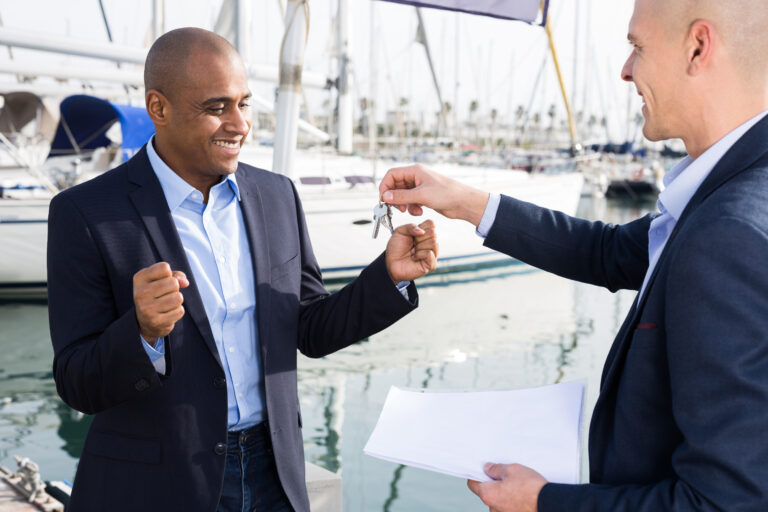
{"points": [[681, 422], [181, 285]]}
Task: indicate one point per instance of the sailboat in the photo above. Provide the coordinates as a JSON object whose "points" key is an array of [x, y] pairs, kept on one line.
{"points": [[338, 198]]}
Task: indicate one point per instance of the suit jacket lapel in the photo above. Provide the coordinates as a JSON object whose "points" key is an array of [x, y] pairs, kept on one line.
{"points": [[252, 207], [150, 202], [739, 158]]}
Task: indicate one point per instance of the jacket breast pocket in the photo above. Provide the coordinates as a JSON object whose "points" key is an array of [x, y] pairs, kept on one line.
{"points": [[128, 449], [286, 268]]}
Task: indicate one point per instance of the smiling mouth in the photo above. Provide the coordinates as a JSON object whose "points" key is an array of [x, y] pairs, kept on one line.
{"points": [[226, 144]]}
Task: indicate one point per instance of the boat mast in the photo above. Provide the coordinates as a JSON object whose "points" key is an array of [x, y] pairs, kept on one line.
{"points": [[372, 92], [456, 50], [158, 18], [289, 88], [243, 32], [345, 96], [571, 124], [576, 23], [422, 38]]}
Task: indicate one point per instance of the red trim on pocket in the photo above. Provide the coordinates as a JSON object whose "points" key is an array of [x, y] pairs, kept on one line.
{"points": [[646, 326]]}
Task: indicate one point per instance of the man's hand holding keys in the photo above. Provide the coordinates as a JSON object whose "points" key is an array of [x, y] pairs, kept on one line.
{"points": [[414, 186]]}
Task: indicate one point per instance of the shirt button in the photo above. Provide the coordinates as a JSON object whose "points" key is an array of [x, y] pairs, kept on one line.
{"points": [[231, 349], [239, 395], [222, 259], [219, 382], [220, 449]]}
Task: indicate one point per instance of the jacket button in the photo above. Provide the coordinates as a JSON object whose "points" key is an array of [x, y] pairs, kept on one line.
{"points": [[141, 385], [220, 449], [220, 382]]}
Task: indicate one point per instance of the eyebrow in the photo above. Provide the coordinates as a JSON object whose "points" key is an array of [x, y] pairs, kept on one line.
{"points": [[224, 99]]}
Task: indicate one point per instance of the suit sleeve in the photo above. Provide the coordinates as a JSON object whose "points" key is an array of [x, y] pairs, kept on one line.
{"points": [[367, 305], [614, 257], [717, 347], [99, 361]]}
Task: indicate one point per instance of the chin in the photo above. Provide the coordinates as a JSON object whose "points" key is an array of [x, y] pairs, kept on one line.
{"points": [[652, 134], [228, 168]]}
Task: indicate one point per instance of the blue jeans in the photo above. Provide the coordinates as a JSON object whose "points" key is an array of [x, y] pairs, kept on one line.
{"points": [[251, 483]]}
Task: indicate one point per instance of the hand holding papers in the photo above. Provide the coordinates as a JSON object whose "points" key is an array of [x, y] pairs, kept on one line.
{"points": [[456, 433]]}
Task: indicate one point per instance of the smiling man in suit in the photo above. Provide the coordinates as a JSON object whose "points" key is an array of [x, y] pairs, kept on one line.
{"points": [[681, 422], [181, 285]]}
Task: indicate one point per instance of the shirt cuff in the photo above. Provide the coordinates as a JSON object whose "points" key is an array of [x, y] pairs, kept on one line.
{"points": [[402, 287], [489, 216], [156, 354]]}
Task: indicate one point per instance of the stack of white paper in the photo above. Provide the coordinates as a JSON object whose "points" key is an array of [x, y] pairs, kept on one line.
{"points": [[457, 433]]}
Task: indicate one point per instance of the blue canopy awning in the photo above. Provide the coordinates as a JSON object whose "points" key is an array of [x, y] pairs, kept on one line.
{"points": [[522, 10], [85, 120]]}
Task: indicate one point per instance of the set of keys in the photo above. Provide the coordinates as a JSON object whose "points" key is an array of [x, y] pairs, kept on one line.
{"points": [[382, 214]]}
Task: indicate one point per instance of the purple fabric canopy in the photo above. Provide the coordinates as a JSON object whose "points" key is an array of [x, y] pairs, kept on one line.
{"points": [[523, 10]]}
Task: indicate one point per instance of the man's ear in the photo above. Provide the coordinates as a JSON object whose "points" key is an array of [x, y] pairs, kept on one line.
{"points": [[158, 107], [700, 45]]}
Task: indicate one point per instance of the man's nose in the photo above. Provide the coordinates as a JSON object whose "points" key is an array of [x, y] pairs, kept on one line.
{"points": [[239, 121], [626, 70]]}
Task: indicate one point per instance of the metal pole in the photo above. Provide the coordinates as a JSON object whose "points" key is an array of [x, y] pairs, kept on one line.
{"points": [[372, 70], [289, 89], [571, 126], [425, 42], [456, 121], [106, 25], [345, 95], [243, 23], [576, 23], [158, 18]]}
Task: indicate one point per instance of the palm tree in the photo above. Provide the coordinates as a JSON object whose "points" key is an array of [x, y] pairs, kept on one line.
{"points": [[551, 113], [401, 105], [494, 115]]}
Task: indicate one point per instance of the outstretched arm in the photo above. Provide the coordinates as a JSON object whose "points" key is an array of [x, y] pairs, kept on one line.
{"points": [[414, 186]]}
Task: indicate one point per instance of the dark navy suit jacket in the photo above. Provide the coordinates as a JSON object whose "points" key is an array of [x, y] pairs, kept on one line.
{"points": [[681, 422], [154, 443]]}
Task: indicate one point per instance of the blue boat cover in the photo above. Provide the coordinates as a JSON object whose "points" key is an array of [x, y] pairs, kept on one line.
{"points": [[522, 10], [86, 119]]}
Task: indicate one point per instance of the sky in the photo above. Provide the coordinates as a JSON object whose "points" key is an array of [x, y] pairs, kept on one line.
{"points": [[494, 62]]}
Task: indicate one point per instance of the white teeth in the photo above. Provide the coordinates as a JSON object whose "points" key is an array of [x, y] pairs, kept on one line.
{"points": [[230, 145]]}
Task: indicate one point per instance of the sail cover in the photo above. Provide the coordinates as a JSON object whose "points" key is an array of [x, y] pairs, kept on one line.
{"points": [[522, 10], [85, 120]]}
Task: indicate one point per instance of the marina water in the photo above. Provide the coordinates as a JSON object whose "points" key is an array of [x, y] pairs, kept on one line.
{"points": [[502, 328]]}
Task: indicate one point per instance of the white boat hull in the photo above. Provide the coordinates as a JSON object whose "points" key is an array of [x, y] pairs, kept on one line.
{"points": [[23, 233], [338, 220]]}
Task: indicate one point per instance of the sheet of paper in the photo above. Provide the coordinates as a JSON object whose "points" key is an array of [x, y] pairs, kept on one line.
{"points": [[456, 433]]}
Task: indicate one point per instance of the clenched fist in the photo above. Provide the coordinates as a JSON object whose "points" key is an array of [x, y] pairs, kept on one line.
{"points": [[158, 300], [412, 251]]}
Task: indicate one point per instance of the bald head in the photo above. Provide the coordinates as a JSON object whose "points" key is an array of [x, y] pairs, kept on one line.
{"points": [[741, 25], [167, 63]]}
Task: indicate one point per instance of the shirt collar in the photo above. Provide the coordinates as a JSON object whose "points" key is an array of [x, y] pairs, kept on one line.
{"points": [[681, 186], [177, 190]]}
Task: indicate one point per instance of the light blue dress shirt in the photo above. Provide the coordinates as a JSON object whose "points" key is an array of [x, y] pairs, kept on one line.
{"points": [[216, 245], [679, 189]]}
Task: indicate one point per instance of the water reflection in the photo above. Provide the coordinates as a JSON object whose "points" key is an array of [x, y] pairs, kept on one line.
{"points": [[72, 429], [33, 421], [506, 328], [481, 332]]}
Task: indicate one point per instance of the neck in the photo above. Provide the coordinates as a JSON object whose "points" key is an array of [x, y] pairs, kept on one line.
{"points": [[712, 123], [202, 183]]}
